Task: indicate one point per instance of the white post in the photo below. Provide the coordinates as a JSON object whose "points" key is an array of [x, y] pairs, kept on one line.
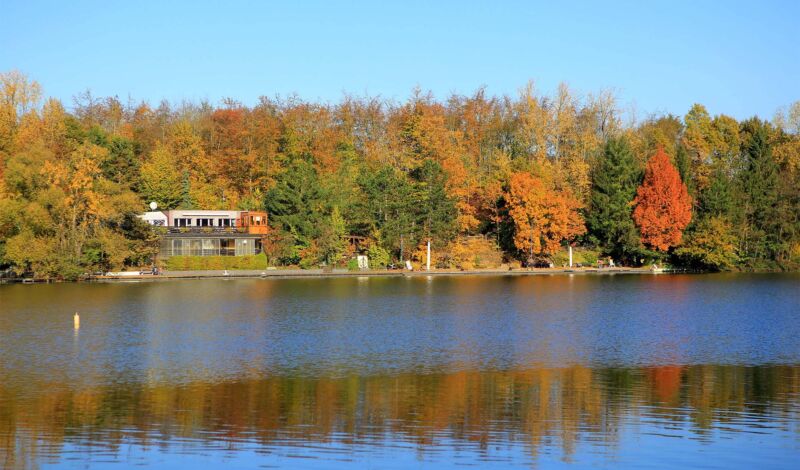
{"points": [[428, 262], [570, 256]]}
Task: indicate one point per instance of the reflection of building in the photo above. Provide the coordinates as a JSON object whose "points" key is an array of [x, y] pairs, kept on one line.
{"points": [[209, 233]]}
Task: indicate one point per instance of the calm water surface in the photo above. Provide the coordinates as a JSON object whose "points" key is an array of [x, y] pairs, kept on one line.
{"points": [[635, 371]]}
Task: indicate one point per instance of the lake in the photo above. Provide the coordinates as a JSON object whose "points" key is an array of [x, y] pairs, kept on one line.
{"points": [[550, 371]]}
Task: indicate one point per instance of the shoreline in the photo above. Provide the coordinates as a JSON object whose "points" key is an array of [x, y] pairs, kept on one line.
{"points": [[319, 273]]}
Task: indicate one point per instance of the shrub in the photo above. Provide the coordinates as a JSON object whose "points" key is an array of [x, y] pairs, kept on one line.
{"points": [[561, 258], [308, 262], [216, 263], [378, 257], [711, 245], [473, 252], [587, 257]]}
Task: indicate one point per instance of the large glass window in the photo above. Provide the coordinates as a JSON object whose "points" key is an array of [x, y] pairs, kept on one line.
{"points": [[210, 246], [227, 247], [245, 247]]}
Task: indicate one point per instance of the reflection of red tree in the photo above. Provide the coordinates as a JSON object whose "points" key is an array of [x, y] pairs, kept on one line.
{"points": [[666, 382]]}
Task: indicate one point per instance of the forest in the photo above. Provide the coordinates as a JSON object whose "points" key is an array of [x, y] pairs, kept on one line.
{"points": [[486, 179]]}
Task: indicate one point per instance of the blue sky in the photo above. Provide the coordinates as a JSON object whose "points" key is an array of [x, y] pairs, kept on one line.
{"points": [[738, 58]]}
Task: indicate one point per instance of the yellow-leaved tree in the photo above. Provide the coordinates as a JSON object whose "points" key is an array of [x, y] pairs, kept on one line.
{"points": [[543, 217]]}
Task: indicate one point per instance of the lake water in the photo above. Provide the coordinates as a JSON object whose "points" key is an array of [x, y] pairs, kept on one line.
{"points": [[616, 371]]}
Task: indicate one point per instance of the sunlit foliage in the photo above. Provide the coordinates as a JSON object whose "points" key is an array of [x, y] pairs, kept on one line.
{"points": [[522, 172]]}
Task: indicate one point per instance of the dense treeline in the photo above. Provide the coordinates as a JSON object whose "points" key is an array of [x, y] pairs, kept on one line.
{"points": [[528, 173]]}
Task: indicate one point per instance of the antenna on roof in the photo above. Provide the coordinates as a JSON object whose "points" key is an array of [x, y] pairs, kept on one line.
{"points": [[153, 205]]}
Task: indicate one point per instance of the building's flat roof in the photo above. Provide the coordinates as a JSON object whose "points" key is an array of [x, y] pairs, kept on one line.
{"points": [[202, 213]]}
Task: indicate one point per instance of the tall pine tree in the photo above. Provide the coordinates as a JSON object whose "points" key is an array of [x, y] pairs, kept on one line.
{"points": [[436, 211], [761, 239], [717, 199], [614, 186]]}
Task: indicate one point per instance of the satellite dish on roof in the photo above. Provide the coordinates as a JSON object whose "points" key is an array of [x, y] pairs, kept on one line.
{"points": [[153, 206]]}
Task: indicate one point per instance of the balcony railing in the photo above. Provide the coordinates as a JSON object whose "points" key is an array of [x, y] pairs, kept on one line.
{"points": [[206, 230]]}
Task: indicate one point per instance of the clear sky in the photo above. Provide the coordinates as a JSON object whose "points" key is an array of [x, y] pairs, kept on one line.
{"points": [[738, 58]]}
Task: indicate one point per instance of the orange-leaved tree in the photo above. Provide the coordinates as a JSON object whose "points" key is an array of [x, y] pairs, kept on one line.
{"points": [[543, 217], [663, 205]]}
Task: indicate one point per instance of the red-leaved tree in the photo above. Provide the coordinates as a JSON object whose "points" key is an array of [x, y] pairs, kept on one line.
{"points": [[663, 205]]}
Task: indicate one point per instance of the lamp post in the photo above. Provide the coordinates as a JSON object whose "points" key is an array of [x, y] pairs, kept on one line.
{"points": [[402, 261], [530, 253], [570, 255], [428, 260]]}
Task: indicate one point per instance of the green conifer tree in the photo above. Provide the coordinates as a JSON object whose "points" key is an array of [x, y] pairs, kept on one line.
{"points": [[761, 197], [614, 186]]}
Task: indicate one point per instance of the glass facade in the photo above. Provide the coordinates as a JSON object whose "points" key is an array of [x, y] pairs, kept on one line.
{"points": [[200, 246]]}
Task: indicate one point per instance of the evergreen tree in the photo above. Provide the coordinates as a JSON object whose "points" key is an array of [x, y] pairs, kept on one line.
{"points": [[614, 185], [332, 242], [387, 207], [684, 165], [297, 203], [187, 202], [717, 200], [435, 210], [121, 164], [760, 184]]}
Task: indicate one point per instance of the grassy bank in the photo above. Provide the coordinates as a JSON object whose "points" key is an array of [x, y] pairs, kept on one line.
{"points": [[210, 263]]}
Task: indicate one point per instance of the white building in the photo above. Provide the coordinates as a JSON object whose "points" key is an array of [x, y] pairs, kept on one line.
{"points": [[207, 233], [192, 218], [157, 218]]}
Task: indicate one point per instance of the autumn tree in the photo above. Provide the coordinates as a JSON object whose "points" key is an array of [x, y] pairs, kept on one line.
{"points": [[543, 218], [698, 141], [74, 216], [711, 245], [788, 118], [663, 205], [199, 177], [162, 180], [653, 133], [18, 97], [398, 173]]}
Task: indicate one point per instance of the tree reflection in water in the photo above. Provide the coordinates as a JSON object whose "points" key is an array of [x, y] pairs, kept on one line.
{"points": [[537, 409]]}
